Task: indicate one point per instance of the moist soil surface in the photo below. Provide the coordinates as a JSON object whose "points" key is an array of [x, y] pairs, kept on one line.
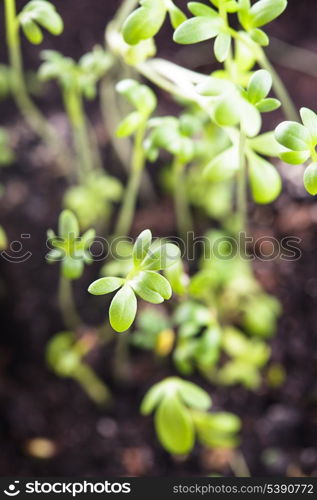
{"points": [[279, 425]]}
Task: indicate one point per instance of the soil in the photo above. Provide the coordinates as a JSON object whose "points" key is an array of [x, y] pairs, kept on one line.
{"points": [[279, 425]]}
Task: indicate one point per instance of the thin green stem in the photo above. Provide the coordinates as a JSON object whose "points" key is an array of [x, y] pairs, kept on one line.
{"points": [[31, 113], [67, 305], [92, 385], [127, 211], [239, 465], [242, 185], [183, 215], [279, 88], [75, 110]]}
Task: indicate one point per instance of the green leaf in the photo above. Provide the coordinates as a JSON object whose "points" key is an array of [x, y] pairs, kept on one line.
{"points": [[265, 144], [152, 287], [226, 110], [123, 309], [224, 422], [260, 37], [193, 396], [32, 32], [68, 225], [201, 10], [141, 246], [105, 285], [160, 257], [293, 136], [295, 157], [309, 119], [250, 118], [129, 125], [145, 22], [72, 268], [198, 29], [268, 105], [152, 398], [259, 86], [222, 46], [265, 180], [177, 17], [310, 179], [224, 166], [174, 426], [265, 11]]}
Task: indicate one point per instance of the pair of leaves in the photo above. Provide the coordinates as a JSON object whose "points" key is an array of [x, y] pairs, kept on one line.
{"points": [[143, 280], [172, 400], [265, 181], [80, 77], [146, 21], [69, 248], [206, 24], [143, 99], [169, 134], [91, 200], [259, 14], [300, 143], [38, 14]]}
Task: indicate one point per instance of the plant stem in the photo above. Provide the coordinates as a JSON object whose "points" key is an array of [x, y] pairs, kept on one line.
{"points": [[239, 466], [92, 385], [242, 185], [75, 110], [183, 215], [67, 305], [127, 211], [279, 88], [31, 113]]}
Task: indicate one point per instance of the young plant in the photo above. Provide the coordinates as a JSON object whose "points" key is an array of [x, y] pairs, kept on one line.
{"points": [[143, 279], [144, 101], [65, 356], [299, 143], [176, 136], [72, 251], [181, 415], [92, 200], [77, 81], [34, 16]]}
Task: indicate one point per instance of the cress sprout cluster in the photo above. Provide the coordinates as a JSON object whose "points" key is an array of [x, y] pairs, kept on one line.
{"points": [[220, 320]]}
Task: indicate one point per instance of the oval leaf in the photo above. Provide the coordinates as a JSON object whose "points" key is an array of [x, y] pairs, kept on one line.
{"points": [[123, 309], [174, 426], [293, 136], [105, 285], [198, 29], [310, 179]]}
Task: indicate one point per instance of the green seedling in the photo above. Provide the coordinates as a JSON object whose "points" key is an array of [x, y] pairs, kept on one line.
{"points": [[68, 247], [199, 338], [77, 81], [65, 356], [247, 358], [299, 143], [181, 415], [92, 200], [147, 20], [72, 251], [144, 103], [177, 138], [35, 15], [143, 279]]}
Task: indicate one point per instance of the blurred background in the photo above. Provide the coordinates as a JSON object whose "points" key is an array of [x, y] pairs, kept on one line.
{"points": [[48, 426]]}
